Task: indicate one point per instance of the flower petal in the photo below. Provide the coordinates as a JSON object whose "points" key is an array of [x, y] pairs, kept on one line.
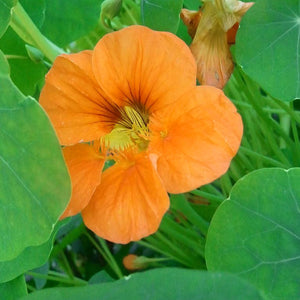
{"points": [[85, 165], [213, 29], [129, 203], [72, 99], [137, 64], [195, 141]]}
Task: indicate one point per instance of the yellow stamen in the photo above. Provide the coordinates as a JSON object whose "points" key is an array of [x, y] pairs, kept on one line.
{"points": [[130, 130]]}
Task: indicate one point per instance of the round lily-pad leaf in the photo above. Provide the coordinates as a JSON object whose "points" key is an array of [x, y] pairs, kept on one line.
{"points": [[268, 47], [256, 232], [160, 284], [34, 182]]}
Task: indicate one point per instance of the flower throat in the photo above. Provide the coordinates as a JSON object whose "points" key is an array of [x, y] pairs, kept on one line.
{"points": [[130, 131]]}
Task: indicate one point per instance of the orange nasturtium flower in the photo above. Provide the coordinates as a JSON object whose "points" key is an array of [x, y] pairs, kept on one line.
{"points": [[213, 29], [133, 100]]}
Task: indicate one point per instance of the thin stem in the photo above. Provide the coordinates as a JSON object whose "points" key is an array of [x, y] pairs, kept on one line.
{"points": [[68, 239], [267, 122], [177, 252], [226, 184], [66, 264], [12, 56], [190, 239], [180, 203], [22, 24], [264, 158], [296, 137], [208, 196], [130, 15], [104, 251], [150, 245], [58, 278], [112, 260]]}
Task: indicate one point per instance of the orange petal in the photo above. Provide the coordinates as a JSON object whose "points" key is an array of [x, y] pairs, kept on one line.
{"points": [[213, 57], [196, 140], [72, 99], [85, 165], [216, 29], [191, 19], [231, 33], [128, 204], [141, 65]]}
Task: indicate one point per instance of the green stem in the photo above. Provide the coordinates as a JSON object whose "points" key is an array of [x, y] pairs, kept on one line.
{"points": [[150, 244], [66, 265], [208, 196], [58, 278], [226, 184], [112, 260], [172, 248], [68, 239], [22, 24], [267, 123], [296, 138], [130, 15], [180, 203], [104, 251], [184, 236], [264, 158]]}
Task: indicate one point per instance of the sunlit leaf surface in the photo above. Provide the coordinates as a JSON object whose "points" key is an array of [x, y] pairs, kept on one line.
{"points": [[268, 47], [160, 284], [64, 21], [161, 15], [256, 233], [34, 183]]}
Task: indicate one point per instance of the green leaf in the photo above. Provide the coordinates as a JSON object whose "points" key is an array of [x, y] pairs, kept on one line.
{"points": [[256, 233], [192, 4], [64, 21], [14, 289], [26, 74], [100, 277], [34, 182], [268, 47], [161, 15], [30, 258], [5, 14], [160, 284]]}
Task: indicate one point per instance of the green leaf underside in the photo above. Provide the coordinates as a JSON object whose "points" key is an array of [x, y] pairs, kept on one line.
{"points": [[159, 284], [268, 47], [14, 289], [161, 15], [30, 258], [256, 233], [5, 14], [34, 182]]}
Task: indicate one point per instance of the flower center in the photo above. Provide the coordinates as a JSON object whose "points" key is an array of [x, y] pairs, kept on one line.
{"points": [[131, 130]]}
